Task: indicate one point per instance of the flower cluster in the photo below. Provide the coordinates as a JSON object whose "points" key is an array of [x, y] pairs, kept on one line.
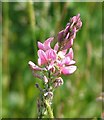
{"points": [[57, 60]]}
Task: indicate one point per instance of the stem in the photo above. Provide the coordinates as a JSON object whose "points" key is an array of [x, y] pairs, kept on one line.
{"points": [[49, 79], [49, 110]]}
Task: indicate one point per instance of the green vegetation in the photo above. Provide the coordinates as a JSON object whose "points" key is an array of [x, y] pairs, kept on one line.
{"points": [[23, 25]]}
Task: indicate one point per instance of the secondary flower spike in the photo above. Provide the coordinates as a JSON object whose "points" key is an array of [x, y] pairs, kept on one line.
{"points": [[66, 36]]}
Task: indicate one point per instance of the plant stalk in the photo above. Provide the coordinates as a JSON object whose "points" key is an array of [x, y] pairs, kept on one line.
{"points": [[49, 109]]}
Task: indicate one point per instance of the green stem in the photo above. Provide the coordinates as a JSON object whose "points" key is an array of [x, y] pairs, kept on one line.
{"points": [[49, 110]]}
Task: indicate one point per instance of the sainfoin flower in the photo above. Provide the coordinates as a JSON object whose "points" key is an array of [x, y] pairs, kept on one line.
{"points": [[57, 60], [53, 62]]}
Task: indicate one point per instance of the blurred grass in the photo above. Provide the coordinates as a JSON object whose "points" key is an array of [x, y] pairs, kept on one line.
{"points": [[23, 25]]}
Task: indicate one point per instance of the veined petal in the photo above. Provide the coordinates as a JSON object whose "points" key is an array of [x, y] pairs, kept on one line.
{"points": [[68, 70], [40, 46], [70, 54], [51, 54], [56, 47], [33, 66], [42, 57], [66, 61], [47, 43]]}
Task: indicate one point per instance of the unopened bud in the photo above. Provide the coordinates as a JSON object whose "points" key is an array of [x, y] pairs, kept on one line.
{"points": [[45, 79], [49, 95], [58, 82]]}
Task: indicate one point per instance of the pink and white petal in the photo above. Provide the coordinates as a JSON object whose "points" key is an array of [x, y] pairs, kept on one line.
{"points": [[40, 46], [59, 63], [70, 54], [68, 70], [64, 52], [56, 47], [42, 57], [66, 61], [45, 79], [72, 62], [47, 43], [39, 62], [33, 66], [51, 68], [51, 54]]}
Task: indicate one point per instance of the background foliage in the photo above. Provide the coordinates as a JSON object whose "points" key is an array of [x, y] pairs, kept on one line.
{"points": [[23, 25]]}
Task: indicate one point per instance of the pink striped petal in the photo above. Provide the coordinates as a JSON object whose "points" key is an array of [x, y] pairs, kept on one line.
{"points": [[40, 46], [66, 61], [47, 43], [70, 54], [42, 57], [33, 66], [51, 55], [56, 47], [68, 70]]}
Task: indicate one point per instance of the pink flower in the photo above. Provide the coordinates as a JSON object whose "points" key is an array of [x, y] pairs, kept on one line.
{"points": [[46, 57], [46, 45], [66, 62], [58, 60], [42, 57]]}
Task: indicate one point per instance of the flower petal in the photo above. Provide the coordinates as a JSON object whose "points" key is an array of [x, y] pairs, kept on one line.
{"points": [[47, 43], [68, 70], [51, 54], [66, 61], [70, 54], [42, 57], [45, 79], [72, 62], [40, 46], [56, 47], [33, 66]]}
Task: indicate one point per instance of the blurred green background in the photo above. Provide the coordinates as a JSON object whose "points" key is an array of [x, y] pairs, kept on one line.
{"points": [[23, 25]]}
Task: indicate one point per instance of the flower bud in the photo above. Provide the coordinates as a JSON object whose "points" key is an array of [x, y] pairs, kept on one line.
{"points": [[58, 82], [61, 35], [45, 79], [49, 95]]}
